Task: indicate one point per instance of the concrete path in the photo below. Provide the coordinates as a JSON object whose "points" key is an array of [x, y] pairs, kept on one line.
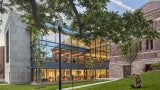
{"points": [[3, 84], [76, 87]]}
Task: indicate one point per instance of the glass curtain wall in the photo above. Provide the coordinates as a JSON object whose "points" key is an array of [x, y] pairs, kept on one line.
{"points": [[73, 51]]}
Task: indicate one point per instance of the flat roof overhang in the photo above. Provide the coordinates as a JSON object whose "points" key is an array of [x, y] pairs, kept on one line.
{"points": [[55, 65]]}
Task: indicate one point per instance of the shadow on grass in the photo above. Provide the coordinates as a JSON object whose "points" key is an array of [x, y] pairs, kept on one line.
{"points": [[38, 87], [2, 82]]}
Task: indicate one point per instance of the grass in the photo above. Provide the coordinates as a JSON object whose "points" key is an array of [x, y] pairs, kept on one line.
{"points": [[156, 66], [44, 87], [150, 81]]}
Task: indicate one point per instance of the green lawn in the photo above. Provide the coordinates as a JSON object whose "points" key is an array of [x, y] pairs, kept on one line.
{"points": [[150, 81], [45, 87]]}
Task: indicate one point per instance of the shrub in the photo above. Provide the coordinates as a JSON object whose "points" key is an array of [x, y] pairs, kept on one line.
{"points": [[156, 66]]}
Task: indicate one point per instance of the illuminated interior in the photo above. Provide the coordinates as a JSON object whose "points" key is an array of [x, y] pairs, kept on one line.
{"points": [[72, 52]]}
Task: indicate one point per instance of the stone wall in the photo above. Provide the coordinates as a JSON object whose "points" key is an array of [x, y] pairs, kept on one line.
{"points": [[17, 70]]}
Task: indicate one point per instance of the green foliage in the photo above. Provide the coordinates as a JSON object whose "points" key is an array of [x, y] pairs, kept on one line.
{"points": [[156, 66], [134, 29], [135, 26], [2, 10], [91, 63], [95, 20], [150, 81], [93, 4], [115, 27], [130, 50]]}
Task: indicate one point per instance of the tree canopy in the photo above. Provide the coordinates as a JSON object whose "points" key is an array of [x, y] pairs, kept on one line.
{"points": [[95, 20]]}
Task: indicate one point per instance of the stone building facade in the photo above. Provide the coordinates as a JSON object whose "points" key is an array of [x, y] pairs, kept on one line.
{"points": [[150, 49], [2, 62], [17, 51]]}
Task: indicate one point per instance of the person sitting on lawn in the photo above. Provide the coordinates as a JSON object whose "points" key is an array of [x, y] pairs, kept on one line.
{"points": [[138, 82]]}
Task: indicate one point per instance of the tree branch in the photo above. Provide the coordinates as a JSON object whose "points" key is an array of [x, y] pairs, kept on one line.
{"points": [[21, 3], [77, 16], [34, 11]]}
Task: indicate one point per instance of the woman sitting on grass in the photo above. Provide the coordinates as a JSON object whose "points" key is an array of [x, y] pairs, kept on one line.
{"points": [[138, 82]]}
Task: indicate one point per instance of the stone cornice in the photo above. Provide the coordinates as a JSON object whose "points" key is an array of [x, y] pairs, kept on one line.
{"points": [[144, 52], [156, 12]]}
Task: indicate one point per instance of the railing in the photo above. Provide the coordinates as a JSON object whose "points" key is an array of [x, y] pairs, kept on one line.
{"points": [[68, 65]]}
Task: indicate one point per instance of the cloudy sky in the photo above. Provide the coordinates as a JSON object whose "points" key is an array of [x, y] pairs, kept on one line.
{"points": [[123, 5], [115, 5]]}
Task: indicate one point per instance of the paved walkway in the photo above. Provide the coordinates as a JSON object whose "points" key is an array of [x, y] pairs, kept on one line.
{"points": [[3, 84], [76, 87]]}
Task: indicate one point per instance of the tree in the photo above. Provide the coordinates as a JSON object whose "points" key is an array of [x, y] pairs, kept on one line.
{"points": [[130, 50], [134, 26], [2, 9], [91, 64], [135, 29], [40, 57], [95, 20], [39, 54], [38, 9]]}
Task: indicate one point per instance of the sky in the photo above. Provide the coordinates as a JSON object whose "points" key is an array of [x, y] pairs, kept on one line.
{"points": [[123, 5], [115, 5]]}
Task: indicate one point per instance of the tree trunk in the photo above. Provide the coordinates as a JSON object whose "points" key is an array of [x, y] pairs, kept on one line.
{"points": [[130, 68], [130, 62], [39, 78]]}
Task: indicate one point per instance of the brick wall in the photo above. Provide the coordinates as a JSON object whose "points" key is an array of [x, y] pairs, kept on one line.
{"points": [[1, 60], [145, 56]]}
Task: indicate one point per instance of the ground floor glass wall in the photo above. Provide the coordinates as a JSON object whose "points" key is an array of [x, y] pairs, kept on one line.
{"points": [[52, 75]]}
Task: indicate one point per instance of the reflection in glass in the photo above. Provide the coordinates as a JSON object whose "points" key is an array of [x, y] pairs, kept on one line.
{"points": [[73, 52]]}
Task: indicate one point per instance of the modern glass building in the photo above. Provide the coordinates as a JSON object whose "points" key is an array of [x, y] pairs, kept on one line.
{"points": [[75, 59], [24, 65]]}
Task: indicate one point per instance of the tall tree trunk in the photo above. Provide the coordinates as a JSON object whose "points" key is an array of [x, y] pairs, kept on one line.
{"points": [[130, 68], [130, 62]]}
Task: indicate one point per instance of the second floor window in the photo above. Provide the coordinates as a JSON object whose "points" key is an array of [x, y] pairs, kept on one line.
{"points": [[7, 46], [149, 44], [151, 24], [140, 46]]}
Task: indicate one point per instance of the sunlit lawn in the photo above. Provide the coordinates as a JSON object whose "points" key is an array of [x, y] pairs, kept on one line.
{"points": [[150, 81], [44, 87]]}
